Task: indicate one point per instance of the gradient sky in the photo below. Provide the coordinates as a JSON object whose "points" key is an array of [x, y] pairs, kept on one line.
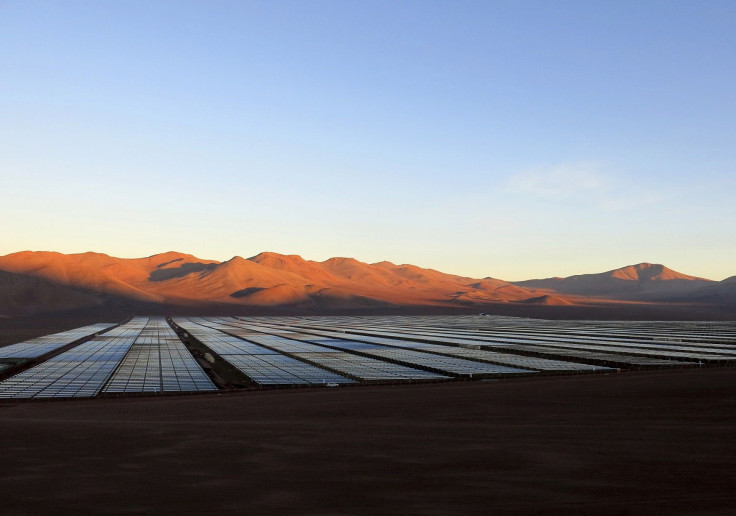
{"points": [[509, 139]]}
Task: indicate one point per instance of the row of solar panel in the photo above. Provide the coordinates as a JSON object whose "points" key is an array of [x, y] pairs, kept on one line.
{"points": [[262, 365], [158, 362], [42, 345], [348, 365], [457, 367], [510, 343], [712, 332], [706, 332], [530, 338], [79, 372], [141, 356], [442, 360], [361, 343], [145, 355], [619, 353]]}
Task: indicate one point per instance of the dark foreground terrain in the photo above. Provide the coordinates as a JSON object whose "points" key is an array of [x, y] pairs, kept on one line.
{"points": [[655, 442]]}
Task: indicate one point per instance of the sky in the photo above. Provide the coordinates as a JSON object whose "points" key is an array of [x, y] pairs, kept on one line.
{"points": [[514, 139]]}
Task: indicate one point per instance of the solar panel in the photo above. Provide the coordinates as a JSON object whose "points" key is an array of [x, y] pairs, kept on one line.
{"points": [[41, 345], [359, 342], [158, 362], [265, 367], [360, 368], [146, 356], [526, 342], [79, 372], [442, 365], [493, 342]]}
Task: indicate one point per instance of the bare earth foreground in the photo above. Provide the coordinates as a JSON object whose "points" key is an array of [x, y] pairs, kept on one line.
{"points": [[633, 442]]}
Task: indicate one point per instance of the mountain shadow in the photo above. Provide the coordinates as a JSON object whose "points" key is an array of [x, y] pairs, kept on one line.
{"points": [[246, 292], [179, 272]]}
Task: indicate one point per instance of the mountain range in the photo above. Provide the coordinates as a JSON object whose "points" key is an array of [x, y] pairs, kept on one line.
{"points": [[35, 282]]}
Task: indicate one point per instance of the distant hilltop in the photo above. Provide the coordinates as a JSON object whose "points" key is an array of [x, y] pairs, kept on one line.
{"points": [[36, 282]]}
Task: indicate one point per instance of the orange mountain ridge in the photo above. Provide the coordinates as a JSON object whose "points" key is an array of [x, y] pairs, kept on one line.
{"points": [[268, 279], [641, 282], [50, 279]]}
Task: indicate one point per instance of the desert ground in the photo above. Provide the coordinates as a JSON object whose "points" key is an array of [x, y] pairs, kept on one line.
{"points": [[648, 442]]}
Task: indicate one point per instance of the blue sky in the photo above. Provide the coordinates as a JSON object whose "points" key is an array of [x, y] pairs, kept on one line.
{"points": [[505, 139]]}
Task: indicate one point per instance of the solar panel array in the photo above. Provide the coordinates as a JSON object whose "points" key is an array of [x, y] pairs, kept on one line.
{"points": [[276, 369], [158, 362], [78, 372], [345, 361], [264, 366], [442, 365], [146, 356], [645, 348], [620, 344], [41, 345], [376, 345]]}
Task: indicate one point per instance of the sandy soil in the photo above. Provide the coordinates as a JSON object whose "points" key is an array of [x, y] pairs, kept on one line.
{"points": [[635, 442]]}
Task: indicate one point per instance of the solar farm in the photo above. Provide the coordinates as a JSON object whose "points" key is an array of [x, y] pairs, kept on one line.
{"points": [[156, 355]]}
